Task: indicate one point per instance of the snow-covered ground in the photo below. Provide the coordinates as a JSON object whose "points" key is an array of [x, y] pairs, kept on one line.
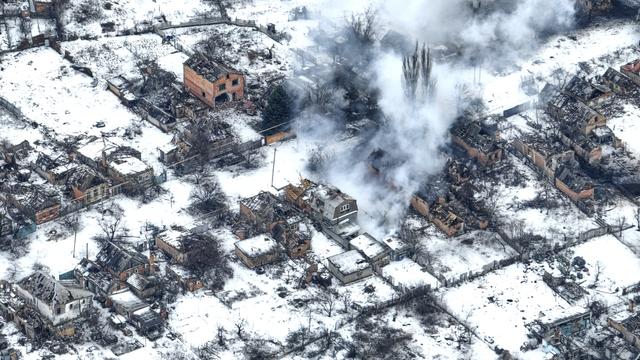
{"points": [[500, 304]]}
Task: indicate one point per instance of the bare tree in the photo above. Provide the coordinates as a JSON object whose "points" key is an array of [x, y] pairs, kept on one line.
{"points": [[72, 222], [327, 301], [111, 224], [240, 325], [426, 68], [411, 74], [620, 223], [5, 221], [221, 337], [297, 338], [346, 301], [598, 273], [208, 196], [362, 27], [416, 245], [207, 259], [417, 71]]}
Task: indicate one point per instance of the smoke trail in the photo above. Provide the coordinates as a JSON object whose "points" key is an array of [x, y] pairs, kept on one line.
{"points": [[500, 31]]}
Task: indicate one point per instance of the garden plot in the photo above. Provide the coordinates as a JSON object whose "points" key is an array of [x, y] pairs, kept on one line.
{"points": [[269, 305], [626, 127], [470, 253], [500, 304], [517, 216], [433, 337], [64, 101], [110, 57], [611, 262], [84, 18]]}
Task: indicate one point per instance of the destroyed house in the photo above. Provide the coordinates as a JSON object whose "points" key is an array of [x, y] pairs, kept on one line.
{"points": [[147, 321], [325, 202], [477, 142], [53, 170], [335, 211], [349, 266], [258, 251], [170, 242], [121, 262], [36, 202], [398, 249], [87, 185], [130, 171], [617, 82], [586, 92], [265, 211], [374, 251], [573, 183], [56, 302], [91, 276], [295, 241], [632, 70], [435, 191], [447, 219], [583, 146], [141, 285], [546, 154], [568, 326], [627, 324], [593, 7], [126, 303], [212, 82], [123, 89], [274, 216], [572, 113], [160, 114], [185, 277], [215, 134]]}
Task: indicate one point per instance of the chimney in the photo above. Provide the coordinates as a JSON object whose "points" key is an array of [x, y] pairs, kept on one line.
{"points": [[632, 306]]}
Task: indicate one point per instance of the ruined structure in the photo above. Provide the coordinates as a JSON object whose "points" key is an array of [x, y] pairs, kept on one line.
{"points": [[212, 82], [478, 141]]}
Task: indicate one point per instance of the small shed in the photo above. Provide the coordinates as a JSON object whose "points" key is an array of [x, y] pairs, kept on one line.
{"points": [[349, 266]]}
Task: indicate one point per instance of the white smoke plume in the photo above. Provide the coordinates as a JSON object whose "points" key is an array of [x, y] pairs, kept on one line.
{"points": [[414, 133]]}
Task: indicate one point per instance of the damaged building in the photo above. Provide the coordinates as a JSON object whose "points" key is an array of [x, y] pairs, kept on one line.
{"points": [[278, 218], [335, 211], [59, 304], [480, 141], [212, 82]]}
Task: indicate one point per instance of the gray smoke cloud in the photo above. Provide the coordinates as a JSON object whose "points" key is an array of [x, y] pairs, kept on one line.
{"points": [[414, 132]]}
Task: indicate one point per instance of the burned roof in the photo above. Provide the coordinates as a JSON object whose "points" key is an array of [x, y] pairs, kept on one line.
{"points": [[632, 67], [573, 178], [269, 207], [46, 289], [434, 188], [36, 197], [83, 178], [573, 111], [474, 135], [118, 259], [584, 90], [546, 146], [208, 68]]}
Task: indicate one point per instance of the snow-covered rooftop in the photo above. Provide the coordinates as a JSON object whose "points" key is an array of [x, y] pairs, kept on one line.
{"points": [[258, 245], [368, 245], [349, 262]]}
